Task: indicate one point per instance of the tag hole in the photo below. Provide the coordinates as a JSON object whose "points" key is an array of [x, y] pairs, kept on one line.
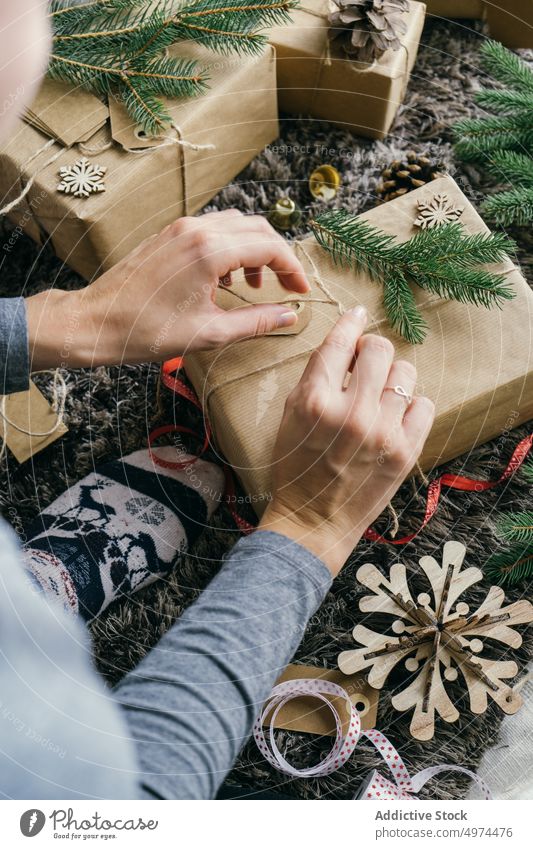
{"points": [[140, 133], [361, 706]]}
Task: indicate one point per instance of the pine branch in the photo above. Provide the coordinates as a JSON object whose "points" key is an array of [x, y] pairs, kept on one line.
{"points": [[510, 567], [506, 67], [477, 137], [505, 101], [512, 167], [512, 207], [117, 46], [444, 261], [517, 527]]}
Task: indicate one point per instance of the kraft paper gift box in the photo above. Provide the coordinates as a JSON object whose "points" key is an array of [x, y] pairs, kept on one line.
{"points": [[509, 21], [475, 364], [143, 193], [455, 8], [315, 77]]}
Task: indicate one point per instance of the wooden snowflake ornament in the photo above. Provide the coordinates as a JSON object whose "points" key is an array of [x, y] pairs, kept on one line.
{"points": [[437, 637], [82, 179], [437, 212]]}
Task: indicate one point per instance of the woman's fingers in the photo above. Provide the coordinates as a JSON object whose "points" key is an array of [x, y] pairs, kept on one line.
{"points": [[373, 359], [329, 364], [399, 389], [418, 421], [227, 326]]}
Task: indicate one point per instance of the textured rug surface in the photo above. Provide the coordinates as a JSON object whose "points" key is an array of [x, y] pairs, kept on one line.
{"points": [[109, 412]]}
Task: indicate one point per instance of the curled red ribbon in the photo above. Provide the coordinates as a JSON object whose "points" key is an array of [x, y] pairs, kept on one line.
{"points": [[170, 379]]}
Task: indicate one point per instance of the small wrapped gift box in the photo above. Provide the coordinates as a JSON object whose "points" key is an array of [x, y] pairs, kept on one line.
{"points": [[475, 364], [145, 183], [510, 21], [317, 78]]}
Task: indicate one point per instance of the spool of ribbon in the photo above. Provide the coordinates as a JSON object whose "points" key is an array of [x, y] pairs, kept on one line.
{"points": [[375, 786]]}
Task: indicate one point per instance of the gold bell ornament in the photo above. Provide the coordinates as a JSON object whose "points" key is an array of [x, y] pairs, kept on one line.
{"points": [[284, 214], [324, 182]]}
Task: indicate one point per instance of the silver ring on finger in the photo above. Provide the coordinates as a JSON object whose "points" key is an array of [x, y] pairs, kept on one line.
{"points": [[403, 393]]}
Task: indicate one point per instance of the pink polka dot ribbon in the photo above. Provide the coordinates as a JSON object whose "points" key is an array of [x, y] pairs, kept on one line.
{"points": [[376, 786]]}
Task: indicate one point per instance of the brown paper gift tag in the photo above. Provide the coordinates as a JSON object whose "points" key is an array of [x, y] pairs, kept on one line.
{"points": [[309, 715], [66, 113], [32, 412], [475, 364]]}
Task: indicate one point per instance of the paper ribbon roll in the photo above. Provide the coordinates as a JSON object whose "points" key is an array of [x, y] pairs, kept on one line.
{"points": [[375, 786]]}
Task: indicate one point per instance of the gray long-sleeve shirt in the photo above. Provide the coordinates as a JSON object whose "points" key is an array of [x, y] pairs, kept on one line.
{"points": [[173, 726]]}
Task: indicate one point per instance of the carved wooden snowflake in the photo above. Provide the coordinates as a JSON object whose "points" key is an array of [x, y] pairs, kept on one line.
{"points": [[437, 637], [436, 212], [81, 179]]}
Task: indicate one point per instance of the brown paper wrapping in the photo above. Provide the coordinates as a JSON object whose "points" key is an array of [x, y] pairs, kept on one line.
{"points": [[512, 24], [337, 89], [510, 21], [455, 8], [146, 192], [475, 364]]}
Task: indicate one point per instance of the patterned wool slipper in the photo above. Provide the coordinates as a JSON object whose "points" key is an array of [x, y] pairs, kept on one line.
{"points": [[119, 529]]}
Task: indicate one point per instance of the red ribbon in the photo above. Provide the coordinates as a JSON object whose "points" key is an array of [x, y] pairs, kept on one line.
{"points": [[176, 385]]}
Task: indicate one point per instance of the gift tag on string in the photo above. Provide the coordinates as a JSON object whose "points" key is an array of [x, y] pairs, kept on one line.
{"points": [[30, 423], [306, 714], [66, 113]]}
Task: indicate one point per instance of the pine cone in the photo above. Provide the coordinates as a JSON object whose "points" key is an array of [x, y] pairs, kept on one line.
{"points": [[368, 28], [404, 176]]}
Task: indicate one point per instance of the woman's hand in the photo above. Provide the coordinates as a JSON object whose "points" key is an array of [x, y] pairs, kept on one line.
{"points": [[159, 301], [346, 441]]}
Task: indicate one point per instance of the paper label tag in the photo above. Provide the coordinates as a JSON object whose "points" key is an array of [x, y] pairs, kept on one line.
{"points": [[66, 113], [127, 133], [309, 715], [32, 412], [228, 299]]}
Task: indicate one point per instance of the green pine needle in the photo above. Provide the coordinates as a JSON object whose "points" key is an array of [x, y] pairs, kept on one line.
{"points": [[118, 46], [443, 260], [512, 207], [511, 566], [506, 67], [512, 167], [517, 527], [503, 142]]}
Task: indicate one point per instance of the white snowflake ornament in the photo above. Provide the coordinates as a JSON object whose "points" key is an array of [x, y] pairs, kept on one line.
{"points": [[437, 212], [437, 637], [82, 179]]}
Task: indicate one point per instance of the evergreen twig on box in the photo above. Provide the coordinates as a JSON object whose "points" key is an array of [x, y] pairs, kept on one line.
{"points": [[118, 46], [503, 143], [444, 261], [514, 563]]}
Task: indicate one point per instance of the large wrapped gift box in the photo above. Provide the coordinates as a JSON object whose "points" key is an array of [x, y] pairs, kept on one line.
{"points": [[475, 364], [317, 78], [147, 188], [510, 21]]}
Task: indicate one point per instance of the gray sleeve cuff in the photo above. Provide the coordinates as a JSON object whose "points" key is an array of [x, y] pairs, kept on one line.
{"points": [[14, 352]]}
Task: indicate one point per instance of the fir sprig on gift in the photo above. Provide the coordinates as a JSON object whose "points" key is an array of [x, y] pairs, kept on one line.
{"points": [[444, 261], [118, 46], [503, 143], [514, 563]]}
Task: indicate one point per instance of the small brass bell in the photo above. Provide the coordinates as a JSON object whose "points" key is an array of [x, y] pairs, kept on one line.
{"points": [[284, 214], [324, 182]]}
